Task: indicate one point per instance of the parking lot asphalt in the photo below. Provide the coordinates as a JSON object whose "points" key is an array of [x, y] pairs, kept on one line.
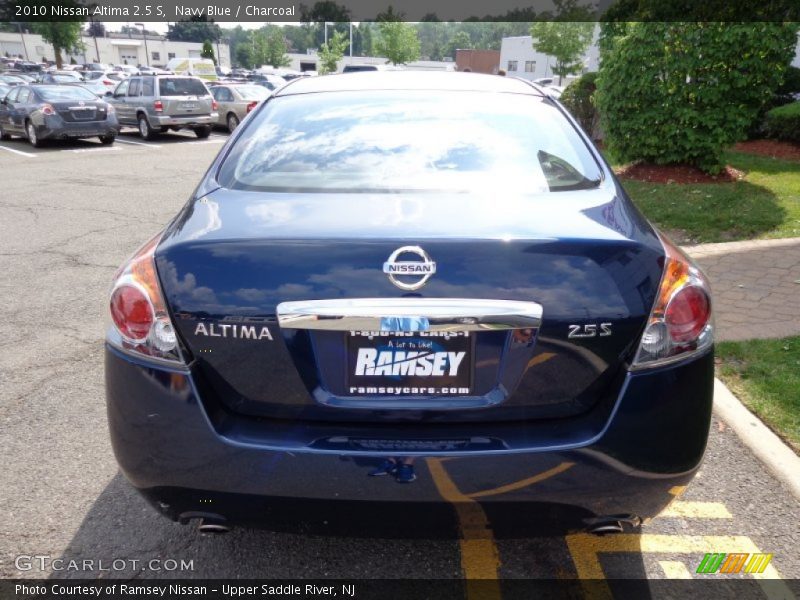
{"points": [[70, 214]]}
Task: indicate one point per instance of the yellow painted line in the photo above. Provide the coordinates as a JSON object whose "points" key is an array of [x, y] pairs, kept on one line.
{"points": [[677, 490], [586, 548], [674, 569], [696, 510], [517, 485], [479, 556], [537, 360]]}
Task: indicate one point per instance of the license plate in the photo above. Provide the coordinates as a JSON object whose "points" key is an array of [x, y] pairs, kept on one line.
{"points": [[189, 105], [409, 363]]}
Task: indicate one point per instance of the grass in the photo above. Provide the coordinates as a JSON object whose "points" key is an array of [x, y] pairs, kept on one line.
{"points": [[765, 204], [765, 376]]}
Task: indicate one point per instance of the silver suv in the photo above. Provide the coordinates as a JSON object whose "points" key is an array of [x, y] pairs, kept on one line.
{"points": [[159, 103]]}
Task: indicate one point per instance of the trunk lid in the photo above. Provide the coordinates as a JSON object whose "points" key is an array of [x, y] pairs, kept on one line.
{"points": [[587, 258], [79, 111]]}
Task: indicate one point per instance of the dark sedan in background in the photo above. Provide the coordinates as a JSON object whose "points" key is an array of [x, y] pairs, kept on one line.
{"points": [[46, 112], [425, 279]]}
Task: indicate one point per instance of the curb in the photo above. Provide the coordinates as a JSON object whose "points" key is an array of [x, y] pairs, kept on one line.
{"points": [[779, 458], [718, 248]]}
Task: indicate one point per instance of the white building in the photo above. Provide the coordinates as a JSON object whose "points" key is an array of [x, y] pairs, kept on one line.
{"points": [[115, 49], [519, 59], [310, 62]]}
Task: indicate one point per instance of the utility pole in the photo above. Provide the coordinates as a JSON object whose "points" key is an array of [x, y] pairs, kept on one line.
{"points": [[351, 39], [96, 47], [144, 36], [22, 36]]}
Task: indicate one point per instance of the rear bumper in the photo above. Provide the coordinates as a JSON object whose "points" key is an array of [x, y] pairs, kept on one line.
{"points": [[168, 121], [55, 127], [189, 462]]}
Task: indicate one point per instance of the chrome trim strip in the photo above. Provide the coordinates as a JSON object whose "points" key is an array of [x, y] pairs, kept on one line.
{"points": [[442, 314]]}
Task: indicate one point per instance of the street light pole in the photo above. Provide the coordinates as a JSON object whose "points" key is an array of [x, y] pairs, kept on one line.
{"points": [[22, 36], [144, 37]]}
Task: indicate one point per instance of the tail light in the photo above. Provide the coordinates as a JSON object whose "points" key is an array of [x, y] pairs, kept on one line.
{"points": [[47, 109], [251, 106], [158, 106], [141, 323], [214, 105], [681, 323], [108, 82]]}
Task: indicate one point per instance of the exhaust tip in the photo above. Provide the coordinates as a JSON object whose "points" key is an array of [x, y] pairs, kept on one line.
{"points": [[212, 527], [606, 528], [611, 524]]}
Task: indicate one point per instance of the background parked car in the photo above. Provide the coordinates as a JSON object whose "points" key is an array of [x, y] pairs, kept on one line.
{"points": [[41, 112], [108, 78], [12, 80], [234, 101], [95, 86], [61, 77], [271, 82], [159, 103]]}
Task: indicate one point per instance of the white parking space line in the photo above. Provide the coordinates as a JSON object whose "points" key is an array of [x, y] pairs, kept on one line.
{"points": [[81, 150], [121, 141], [211, 142], [20, 152]]}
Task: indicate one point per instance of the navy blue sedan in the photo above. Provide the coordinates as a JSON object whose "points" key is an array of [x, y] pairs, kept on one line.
{"points": [[44, 112], [400, 289]]}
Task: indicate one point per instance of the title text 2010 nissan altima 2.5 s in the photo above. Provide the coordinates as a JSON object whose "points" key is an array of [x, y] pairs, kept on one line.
{"points": [[427, 276]]}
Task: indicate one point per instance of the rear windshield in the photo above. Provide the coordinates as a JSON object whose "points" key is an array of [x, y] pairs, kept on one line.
{"points": [[252, 92], [388, 141], [58, 93], [176, 86]]}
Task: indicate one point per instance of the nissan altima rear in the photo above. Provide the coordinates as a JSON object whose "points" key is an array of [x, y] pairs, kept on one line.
{"points": [[390, 285]]}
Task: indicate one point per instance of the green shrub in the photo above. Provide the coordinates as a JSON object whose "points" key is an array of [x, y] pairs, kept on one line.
{"points": [[578, 98], [683, 92], [790, 85], [783, 122]]}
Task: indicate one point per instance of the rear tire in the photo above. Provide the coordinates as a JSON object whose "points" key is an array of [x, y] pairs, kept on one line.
{"points": [[32, 137], [107, 139], [4, 135], [233, 122], [203, 131], [145, 130]]}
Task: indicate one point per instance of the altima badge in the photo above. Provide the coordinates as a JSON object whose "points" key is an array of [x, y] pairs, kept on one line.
{"points": [[423, 269]]}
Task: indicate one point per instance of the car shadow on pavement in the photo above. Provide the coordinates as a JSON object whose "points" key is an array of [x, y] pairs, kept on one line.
{"points": [[317, 539]]}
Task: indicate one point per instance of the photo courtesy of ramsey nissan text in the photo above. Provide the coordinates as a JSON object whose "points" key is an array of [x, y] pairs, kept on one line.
{"points": [[373, 300]]}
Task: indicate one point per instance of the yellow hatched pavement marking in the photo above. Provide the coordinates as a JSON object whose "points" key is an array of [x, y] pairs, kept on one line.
{"points": [[518, 485], [479, 556], [544, 356], [696, 510], [674, 569], [585, 550]]}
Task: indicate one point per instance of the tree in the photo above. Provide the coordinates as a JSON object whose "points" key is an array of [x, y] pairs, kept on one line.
{"points": [[196, 29], [398, 42], [208, 51], [567, 42], [331, 53], [671, 92], [459, 41], [96, 29], [63, 35], [271, 47], [244, 56]]}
